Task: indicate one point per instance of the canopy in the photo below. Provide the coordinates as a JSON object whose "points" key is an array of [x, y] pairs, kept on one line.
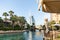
{"points": [[56, 25], [51, 6]]}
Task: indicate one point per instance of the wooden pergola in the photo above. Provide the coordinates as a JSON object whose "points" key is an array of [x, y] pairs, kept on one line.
{"points": [[50, 6]]}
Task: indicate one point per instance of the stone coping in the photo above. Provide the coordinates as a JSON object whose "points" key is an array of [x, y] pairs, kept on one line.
{"points": [[11, 31]]}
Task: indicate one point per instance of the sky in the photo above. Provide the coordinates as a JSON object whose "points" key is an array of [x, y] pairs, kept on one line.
{"points": [[24, 8]]}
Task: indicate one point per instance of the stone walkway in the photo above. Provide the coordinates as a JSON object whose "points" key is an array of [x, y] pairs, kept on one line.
{"points": [[52, 35]]}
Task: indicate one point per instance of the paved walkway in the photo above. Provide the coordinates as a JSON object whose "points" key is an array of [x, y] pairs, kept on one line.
{"points": [[52, 35]]}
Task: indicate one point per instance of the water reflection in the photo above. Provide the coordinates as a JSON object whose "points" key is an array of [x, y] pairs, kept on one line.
{"points": [[29, 35], [38, 33], [34, 35]]}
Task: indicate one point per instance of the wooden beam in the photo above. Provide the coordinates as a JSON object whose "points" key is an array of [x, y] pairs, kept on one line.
{"points": [[50, 0]]}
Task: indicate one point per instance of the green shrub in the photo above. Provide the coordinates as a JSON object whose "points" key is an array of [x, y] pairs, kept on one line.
{"points": [[28, 26], [58, 36], [17, 27]]}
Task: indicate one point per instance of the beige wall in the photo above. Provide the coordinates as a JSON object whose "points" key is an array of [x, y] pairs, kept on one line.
{"points": [[55, 17]]}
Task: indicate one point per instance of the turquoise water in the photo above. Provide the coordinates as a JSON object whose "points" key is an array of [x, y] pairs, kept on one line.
{"points": [[22, 36]]}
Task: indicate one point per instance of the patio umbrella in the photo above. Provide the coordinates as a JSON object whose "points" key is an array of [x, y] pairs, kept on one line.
{"points": [[56, 24], [50, 6]]}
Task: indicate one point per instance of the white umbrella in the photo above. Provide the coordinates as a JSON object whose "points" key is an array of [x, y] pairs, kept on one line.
{"points": [[56, 24]]}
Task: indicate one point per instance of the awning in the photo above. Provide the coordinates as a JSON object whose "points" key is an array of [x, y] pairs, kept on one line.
{"points": [[51, 6], [56, 25]]}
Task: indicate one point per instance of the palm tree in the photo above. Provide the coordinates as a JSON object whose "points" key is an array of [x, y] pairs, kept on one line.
{"points": [[52, 23], [59, 21], [1, 20], [5, 14], [1, 23], [22, 21], [11, 13], [13, 19]]}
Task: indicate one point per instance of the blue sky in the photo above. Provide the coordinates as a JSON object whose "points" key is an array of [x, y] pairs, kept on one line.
{"points": [[24, 8]]}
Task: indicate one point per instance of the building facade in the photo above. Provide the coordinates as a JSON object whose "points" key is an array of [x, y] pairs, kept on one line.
{"points": [[55, 17], [32, 20]]}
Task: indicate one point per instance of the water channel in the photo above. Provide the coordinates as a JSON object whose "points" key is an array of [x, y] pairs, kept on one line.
{"points": [[28, 35]]}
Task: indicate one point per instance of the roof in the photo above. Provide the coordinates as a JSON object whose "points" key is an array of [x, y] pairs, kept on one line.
{"points": [[7, 21], [51, 6], [50, 0]]}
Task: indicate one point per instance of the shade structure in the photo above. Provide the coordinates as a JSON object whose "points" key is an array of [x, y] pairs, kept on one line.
{"points": [[56, 25], [51, 6]]}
